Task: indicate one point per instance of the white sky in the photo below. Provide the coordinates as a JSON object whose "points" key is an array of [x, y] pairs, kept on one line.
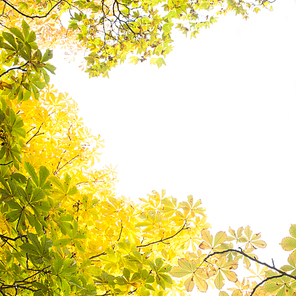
{"points": [[217, 122]]}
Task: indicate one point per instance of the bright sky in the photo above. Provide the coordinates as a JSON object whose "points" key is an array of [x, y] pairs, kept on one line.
{"points": [[217, 122]]}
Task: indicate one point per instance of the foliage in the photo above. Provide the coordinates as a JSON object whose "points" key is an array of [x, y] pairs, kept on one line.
{"points": [[63, 230], [109, 31]]}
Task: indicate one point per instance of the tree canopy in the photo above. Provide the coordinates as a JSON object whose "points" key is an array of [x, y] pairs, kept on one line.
{"points": [[63, 229]]}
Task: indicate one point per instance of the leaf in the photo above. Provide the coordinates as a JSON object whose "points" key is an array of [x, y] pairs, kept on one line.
{"points": [[201, 284], [219, 280], [292, 230], [271, 287], [9, 37], [43, 175], [31, 171], [207, 237], [189, 284], [288, 243], [47, 56], [231, 275], [26, 29], [220, 238], [31, 37], [16, 32], [259, 243], [50, 68], [36, 92]]}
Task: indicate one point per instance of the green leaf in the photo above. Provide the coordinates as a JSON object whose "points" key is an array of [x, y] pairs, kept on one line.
{"points": [[50, 68], [27, 95], [62, 242], [9, 37], [126, 274], [42, 205], [16, 32], [271, 287], [29, 248], [26, 29], [19, 177], [47, 56], [2, 152], [13, 216], [39, 84], [36, 92], [31, 171], [43, 175], [31, 37], [166, 278], [6, 46], [158, 263]]}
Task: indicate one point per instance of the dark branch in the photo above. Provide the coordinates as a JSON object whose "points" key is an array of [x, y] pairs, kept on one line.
{"points": [[15, 68], [121, 227], [36, 134], [281, 273], [6, 238], [32, 16], [164, 239], [6, 163], [265, 280], [143, 246]]}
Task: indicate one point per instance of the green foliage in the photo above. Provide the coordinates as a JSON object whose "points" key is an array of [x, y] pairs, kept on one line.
{"points": [[28, 71]]}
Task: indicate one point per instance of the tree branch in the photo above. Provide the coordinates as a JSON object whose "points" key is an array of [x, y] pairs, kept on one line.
{"points": [[149, 244], [281, 273], [36, 134], [32, 16], [15, 68], [164, 239], [65, 164], [6, 163]]}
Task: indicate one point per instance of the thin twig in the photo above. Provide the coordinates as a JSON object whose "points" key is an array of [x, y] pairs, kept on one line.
{"points": [[164, 239], [66, 164], [36, 134]]}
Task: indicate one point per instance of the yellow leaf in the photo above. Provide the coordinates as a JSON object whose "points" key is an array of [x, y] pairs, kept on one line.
{"points": [[237, 293], [292, 230], [259, 243], [248, 232], [220, 238], [205, 234], [204, 246], [219, 280], [288, 243], [189, 284], [231, 275], [201, 284]]}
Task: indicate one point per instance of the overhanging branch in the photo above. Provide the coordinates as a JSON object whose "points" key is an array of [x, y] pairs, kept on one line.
{"points": [[32, 16], [281, 273]]}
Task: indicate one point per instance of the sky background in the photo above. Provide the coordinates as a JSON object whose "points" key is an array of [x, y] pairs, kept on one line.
{"points": [[218, 122]]}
